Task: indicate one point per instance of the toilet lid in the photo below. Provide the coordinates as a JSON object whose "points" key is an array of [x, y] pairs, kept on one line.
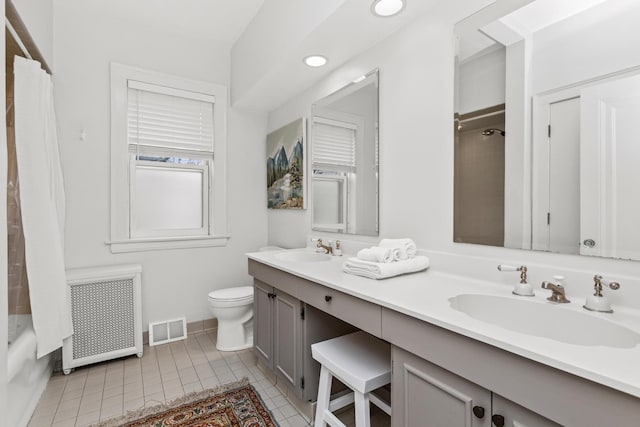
{"points": [[232, 294]]}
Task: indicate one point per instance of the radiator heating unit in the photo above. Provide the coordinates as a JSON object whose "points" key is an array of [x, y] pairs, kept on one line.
{"points": [[106, 313]]}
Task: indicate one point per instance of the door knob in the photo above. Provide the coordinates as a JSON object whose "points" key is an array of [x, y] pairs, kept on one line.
{"points": [[589, 243], [478, 411], [498, 420]]}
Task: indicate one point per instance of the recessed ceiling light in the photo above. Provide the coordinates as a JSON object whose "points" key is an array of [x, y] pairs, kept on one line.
{"points": [[386, 8], [315, 60]]}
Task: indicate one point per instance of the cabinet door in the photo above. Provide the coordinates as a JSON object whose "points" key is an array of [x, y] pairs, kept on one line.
{"points": [[517, 416], [424, 394], [287, 325], [263, 322]]}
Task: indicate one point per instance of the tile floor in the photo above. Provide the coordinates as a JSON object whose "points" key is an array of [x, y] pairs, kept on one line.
{"points": [[106, 390]]}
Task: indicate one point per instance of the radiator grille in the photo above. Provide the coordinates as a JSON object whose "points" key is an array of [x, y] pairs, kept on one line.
{"points": [[103, 317]]}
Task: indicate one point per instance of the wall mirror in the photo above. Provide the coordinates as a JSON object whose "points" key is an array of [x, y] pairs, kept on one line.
{"points": [[344, 159], [546, 149]]}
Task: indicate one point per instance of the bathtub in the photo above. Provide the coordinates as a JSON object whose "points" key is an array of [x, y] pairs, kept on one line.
{"points": [[27, 375]]}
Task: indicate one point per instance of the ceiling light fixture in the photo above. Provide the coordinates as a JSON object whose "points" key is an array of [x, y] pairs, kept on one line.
{"points": [[386, 8], [315, 60]]}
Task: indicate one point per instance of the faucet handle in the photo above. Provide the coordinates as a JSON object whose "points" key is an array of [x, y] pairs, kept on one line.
{"points": [[337, 251], [522, 269], [523, 288], [599, 282], [597, 301]]}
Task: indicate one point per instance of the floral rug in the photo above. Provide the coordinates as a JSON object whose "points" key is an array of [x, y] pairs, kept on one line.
{"points": [[233, 405]]}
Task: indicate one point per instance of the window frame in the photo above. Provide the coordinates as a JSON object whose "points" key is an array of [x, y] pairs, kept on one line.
{"points": [[121, 234]]}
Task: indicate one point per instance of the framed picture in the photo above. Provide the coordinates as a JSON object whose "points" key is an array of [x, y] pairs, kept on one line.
{"points": [[286, 187]]}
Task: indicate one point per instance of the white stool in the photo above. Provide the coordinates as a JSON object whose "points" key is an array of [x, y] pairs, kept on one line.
{"points": [[363, 363]]}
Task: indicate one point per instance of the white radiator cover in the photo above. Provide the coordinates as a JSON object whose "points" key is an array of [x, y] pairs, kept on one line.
{"points": [[106, 312]]}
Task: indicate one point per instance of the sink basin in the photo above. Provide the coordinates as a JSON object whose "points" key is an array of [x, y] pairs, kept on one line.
{"points": [[302, 256], [546, 320]]}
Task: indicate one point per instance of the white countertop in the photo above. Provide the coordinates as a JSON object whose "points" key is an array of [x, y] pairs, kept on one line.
{"points": [[425, 296]]}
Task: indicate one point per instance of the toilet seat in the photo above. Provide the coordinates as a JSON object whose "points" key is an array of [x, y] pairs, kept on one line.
{"points": [[237, 294]]}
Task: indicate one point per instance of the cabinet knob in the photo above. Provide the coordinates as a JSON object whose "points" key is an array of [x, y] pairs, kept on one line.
{"points": [[328, 298], [478, 411], [271, 295], [498, 420]]}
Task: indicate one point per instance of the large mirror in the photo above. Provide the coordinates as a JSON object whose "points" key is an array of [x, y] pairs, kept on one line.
{"points": [[344, 159], [546, 149]]}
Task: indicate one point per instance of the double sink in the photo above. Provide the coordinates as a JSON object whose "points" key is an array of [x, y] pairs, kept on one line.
{"points": [[569, 325]]}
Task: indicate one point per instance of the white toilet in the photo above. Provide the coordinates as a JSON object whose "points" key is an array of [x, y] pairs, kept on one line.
{"points": [[233, 307]]}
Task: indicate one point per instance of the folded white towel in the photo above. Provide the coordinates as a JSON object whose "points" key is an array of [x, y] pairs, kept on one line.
{"points": [[380, 270], [406, 248], [376, 254]]}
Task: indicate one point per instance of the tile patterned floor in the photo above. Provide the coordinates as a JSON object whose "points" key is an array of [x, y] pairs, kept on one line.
{"points": [[106, 390]]}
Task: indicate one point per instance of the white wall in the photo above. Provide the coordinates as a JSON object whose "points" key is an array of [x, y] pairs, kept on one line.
{"points": [[37, 15], [416, 149], [175, 282], [599, 41], [482, 81]]}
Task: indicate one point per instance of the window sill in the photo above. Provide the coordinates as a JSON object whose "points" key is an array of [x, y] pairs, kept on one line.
{"points": [[164, 243]]}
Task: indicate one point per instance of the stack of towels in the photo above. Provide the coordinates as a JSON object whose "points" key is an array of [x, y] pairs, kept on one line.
{"points": [[391, 257]]}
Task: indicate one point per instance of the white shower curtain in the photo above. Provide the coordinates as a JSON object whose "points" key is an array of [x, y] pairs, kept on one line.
{"points": [[43, 204]]}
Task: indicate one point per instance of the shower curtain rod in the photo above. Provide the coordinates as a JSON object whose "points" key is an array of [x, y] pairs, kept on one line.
{"points": [[17, 38], [20, 33]]}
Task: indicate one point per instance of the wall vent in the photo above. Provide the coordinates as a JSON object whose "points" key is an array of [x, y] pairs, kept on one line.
{"points": [[106, 313], [167, 331]]}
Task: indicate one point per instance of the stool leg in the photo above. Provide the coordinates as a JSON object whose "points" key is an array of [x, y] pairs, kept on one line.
{"points": [[362, 409], [324, 396]]}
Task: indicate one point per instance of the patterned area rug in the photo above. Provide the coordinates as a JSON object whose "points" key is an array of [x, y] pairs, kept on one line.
{"points": [[233, 405]]}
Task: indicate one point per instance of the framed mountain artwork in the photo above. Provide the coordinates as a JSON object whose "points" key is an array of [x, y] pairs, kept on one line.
{"points": [[286, 167]]}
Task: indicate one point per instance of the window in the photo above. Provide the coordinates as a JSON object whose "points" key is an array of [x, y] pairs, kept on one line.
{"points": [[167, 161], [334, 167]]}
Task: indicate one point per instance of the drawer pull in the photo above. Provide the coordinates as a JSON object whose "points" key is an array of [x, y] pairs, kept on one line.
{"points": [[328, 298], [478, 411], [498, 420]]}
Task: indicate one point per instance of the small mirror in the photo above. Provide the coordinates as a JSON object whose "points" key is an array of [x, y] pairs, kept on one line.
{"points": [[344, 159]]}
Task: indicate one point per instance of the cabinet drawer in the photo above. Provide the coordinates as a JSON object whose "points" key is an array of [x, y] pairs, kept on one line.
{"points": [[361, 314]]}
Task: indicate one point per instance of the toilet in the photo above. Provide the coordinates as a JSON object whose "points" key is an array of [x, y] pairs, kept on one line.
{"points": [[233, 307]]}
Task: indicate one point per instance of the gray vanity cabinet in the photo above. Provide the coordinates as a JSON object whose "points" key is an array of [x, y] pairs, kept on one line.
{"points": [[278, 321], [285, 327], [427, 395]]}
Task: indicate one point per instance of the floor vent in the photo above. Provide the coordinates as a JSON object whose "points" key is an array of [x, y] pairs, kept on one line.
{"points": [[106, 313], [167, 331]]}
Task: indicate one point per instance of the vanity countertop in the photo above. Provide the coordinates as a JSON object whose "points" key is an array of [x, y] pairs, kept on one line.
{"points": [[426, 295]]}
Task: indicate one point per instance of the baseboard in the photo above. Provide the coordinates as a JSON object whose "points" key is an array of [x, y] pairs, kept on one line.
{"points": [[192, 328]]}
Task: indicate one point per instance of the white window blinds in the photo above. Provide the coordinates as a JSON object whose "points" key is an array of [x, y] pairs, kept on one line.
{"points": [[159, 116], [334, 144]]}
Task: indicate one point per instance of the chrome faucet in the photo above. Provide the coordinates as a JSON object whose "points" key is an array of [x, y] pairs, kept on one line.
{"points": [[327, 249], [557, 292]]}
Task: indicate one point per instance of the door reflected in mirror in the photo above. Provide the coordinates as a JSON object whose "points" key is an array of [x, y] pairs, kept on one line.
{"points": [[562, 177], [344, 159]]}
